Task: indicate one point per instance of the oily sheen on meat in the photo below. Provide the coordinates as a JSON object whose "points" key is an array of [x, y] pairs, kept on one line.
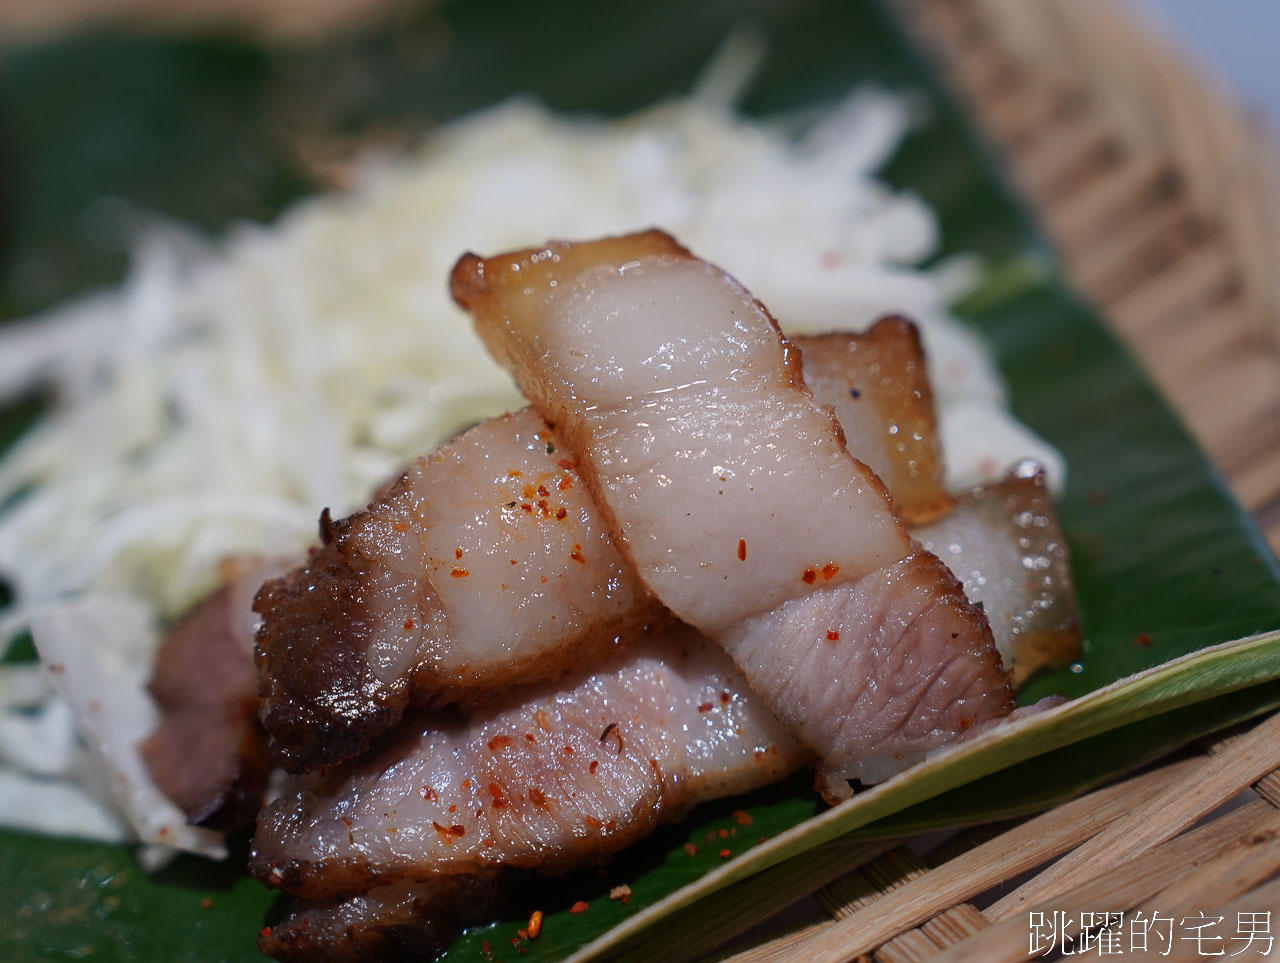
{"points": [[878, 387], [731, 492], [549, 779], [1004, 543], [487, 564], [484, 566]]}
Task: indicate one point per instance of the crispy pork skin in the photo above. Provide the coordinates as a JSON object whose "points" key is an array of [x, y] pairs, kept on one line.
{"points": [[208, 753], [555, 777], [1004, 543], [883, 370], [728, 488], [486, 564]]}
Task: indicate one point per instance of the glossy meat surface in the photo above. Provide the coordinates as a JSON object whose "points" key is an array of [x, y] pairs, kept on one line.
{"points": [[552, 778], [725, 483], [877, 385], [732, 493], [484, 566], [487, 564], [1003, 542]]}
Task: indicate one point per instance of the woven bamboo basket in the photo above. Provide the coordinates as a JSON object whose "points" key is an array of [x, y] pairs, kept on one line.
{"points": [[1163, 202], [1161, 197]]}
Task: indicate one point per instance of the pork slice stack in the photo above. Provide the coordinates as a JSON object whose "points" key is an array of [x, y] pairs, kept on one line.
{"points": [[487, 564], [733, 497], [551, 778], [665, 582]]}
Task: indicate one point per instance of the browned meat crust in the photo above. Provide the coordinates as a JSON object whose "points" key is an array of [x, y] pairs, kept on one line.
{"points": [[473, 286], [1050, 634], [321, 700], [1029, 601], [404, 922], [885, 368]]}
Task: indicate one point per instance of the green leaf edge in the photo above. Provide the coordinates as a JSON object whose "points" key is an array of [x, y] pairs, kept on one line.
{"points": [[1214, 671]]}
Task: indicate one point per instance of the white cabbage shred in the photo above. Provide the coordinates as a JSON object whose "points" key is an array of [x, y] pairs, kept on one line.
{"points": [[221, 396]]}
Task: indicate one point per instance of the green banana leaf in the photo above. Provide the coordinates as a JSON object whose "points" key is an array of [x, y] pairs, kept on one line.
{"points": [[1166, 564]]}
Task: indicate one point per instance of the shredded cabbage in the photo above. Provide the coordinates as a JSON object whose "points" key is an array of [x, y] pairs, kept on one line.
{"points": [[221, 396]]}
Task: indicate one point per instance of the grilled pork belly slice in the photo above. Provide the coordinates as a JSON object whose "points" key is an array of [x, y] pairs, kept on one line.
{"points": [[890, 667], [883, 369], [488, 565], [730, 490], [722, 479], [556, 776], [208, 753], [1004, 543], [484, 566]]}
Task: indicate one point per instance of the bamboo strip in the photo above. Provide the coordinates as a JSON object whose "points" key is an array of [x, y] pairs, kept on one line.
{"points": [[844, 896], [1200, 278], [956, 924], [790, 926], [1112, 267], [1192, 123], [1268, 787], [1123, 887], [1265, 898], [1064, 157], [1244, 391], [728, 912], [1256, 442], [1068, 130], [909, 947], [951, 925], [922, 943], [941, 22], [1020, 849], [1177, 806], [1106, 204], [1109, 54], [1033, 30], [1152, 102], [959, 843], [1217, 330], [1243, 865], [984, 77], [1161, 906], [1026, 109]]}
